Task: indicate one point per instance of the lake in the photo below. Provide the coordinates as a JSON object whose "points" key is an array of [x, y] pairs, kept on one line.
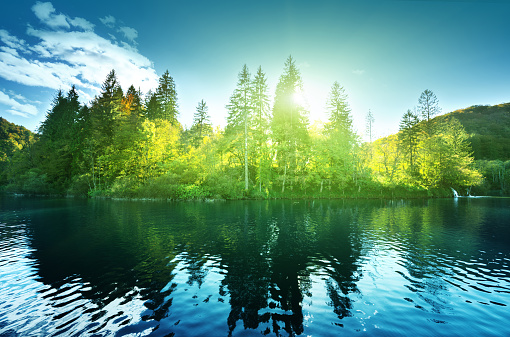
{"points": [[73, 267]]}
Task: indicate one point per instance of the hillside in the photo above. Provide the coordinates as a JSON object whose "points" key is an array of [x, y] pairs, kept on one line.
{"points": [[12, 138], [489, 130]]}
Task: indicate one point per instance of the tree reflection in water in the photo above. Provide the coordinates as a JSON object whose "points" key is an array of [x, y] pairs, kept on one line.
{"points": [[269, 270], [269, 252]]}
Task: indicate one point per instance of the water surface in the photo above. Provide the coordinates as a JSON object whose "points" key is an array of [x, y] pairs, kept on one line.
{"points": [[245, 268]]}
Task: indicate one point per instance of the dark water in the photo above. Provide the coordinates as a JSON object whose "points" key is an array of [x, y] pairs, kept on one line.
{"points": [[277, 268]]}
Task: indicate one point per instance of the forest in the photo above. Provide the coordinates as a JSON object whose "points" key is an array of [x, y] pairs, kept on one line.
{"points": [[131, 145]]}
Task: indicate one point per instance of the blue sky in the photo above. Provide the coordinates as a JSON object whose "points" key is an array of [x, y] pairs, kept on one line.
{"points": [[384, 53]]}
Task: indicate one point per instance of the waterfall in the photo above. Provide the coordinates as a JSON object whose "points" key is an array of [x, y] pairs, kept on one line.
{"points": [[455, 194]]}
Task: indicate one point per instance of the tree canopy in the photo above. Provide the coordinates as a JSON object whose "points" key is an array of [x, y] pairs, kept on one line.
{"points": [[131, 144]]}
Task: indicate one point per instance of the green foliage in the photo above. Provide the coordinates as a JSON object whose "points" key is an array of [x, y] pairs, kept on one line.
{"points": [[167, 98], [80, 185], [488, 128], [496, 175], [428, 105], [125, 146], [191, 192], [289, 127], [13, 138], [409, 137], [201, 123]]}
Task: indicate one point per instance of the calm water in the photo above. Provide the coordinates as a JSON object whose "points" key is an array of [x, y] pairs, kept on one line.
{"points": [[277, 268]]}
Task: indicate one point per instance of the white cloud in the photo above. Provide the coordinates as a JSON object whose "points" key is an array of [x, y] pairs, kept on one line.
{"points": [[17, 108], [46, 13], [79, 57], [8, 50], [108, 21], [82, 23], [130, 33], [12, 42], [358, 72]]}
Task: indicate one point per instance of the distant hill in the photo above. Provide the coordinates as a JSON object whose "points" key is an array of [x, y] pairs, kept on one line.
{"points": [[489, 129], [12, 138]]}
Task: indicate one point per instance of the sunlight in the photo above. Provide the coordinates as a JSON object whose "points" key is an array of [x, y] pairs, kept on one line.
{"points": [[311, 99], [299, 97]]}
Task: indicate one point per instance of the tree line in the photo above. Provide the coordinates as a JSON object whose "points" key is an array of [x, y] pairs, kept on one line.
{"points": [[128, 144]]}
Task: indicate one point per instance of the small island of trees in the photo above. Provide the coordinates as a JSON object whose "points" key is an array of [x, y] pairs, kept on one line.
{"points": [[126, 144]]}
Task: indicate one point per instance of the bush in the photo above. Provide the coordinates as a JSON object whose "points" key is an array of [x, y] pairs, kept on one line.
{"points": [[80, 185], [34, 182], [162, 187], [224, 187]]}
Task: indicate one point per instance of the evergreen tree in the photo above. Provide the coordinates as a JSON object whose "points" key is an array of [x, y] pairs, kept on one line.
{"points": [[57, 145], [289, 123], [151, 105], [240, 112], [201, 123], [409, 136], [260, 123], [105, 109], [166, 96], [60, 119], [340, 136], [338, 110]]}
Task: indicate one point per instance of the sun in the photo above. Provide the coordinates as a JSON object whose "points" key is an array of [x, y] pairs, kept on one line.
{"points": [[311, 101], [299, 97]]}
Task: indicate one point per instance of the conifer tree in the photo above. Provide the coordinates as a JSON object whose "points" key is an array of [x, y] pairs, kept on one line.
{"points": [[289, 123], [104, 111], [339, 112], [166, 96], [57, 144], [409, 136], [201, 122], [151, 105], [240, 112], [340, 136], [260, 122], [106, 108]]}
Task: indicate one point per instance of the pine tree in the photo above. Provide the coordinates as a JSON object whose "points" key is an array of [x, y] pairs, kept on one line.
{"points": [[338, 110], [240, 112], [106, 108], [340, 137], [260, 123], [152, 106], [58, 144], [289, 123], [201, 122], [104, 111], [409, 137], [166, 96]]}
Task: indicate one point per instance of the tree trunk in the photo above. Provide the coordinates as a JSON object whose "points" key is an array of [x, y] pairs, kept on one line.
{"points": [[284, 176], [246, 152]]}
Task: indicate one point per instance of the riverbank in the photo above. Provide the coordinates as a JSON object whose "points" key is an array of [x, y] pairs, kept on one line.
{"points": [[195, 194]]}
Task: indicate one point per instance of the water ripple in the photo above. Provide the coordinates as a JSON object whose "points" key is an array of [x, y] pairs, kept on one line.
{"points": [[318, 270]]}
